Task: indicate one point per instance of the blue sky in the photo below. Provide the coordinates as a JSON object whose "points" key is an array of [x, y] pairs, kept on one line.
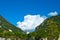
{"points": [[15, 10]]}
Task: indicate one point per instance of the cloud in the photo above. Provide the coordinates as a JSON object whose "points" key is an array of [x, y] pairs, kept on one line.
{"points": [[53, 13], [30, 22]]}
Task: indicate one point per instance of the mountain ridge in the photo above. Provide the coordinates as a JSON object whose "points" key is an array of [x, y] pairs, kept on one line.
{"points": [[9, 30], [50, 28]]}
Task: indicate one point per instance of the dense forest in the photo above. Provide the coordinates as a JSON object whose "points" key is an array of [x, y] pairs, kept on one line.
{"points": [[49, 29], [7, 30]]}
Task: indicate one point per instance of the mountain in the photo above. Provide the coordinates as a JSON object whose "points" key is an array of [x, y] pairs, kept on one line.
{"points": [[50, 28], [9, 30]]}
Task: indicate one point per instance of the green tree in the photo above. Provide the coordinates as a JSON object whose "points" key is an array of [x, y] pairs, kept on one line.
{"points": [[52, 30]]}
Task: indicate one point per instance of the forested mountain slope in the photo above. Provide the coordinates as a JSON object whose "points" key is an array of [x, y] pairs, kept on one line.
{"points": [[50, 28], [9, 30]]}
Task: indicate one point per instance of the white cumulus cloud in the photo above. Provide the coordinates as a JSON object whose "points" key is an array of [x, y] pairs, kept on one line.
{"points": [[30, 22], [53, 13]]}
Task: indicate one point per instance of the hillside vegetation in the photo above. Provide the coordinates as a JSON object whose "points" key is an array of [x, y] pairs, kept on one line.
{"points": [[49, 29], [7, 30]]}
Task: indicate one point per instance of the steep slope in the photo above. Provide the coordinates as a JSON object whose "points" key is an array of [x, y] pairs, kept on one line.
{"points": [[50, 28], [8, 30], [55, 19]]}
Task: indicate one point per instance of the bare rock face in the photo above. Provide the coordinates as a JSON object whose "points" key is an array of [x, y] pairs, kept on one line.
{"points": [[3, 38], [8, 39]]}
